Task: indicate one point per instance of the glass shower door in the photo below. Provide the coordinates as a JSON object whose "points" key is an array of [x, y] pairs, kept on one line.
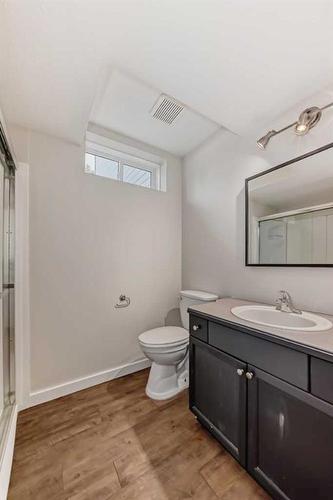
{"points": [[7, 315], [8, 290]]}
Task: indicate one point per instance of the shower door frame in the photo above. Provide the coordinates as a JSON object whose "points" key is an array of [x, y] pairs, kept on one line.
{"points": [[7, 283], [8, 294]]}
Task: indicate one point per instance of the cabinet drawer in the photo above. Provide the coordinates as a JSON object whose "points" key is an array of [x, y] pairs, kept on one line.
{"points": [[198, 328], [322, 379], [285, 363]]}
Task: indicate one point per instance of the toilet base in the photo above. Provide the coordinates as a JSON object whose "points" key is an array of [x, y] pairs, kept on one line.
{"points": [[165, 381]]}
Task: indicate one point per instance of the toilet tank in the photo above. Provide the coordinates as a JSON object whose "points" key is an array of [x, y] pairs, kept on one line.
{"points": [[190, 298]]}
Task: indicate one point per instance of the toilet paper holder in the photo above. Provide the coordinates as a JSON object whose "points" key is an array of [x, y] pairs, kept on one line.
{"points": [[123, 301]]}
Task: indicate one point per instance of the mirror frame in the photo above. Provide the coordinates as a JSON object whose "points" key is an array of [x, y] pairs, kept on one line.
{"points": [[260, 174]]}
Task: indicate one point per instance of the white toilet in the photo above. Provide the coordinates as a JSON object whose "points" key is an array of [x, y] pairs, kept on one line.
{"points": [[167, 348]]}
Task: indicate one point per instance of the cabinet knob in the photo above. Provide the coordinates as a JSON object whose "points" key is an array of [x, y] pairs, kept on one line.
{"points": [[240, 371], [249, 375], [195, 328]]}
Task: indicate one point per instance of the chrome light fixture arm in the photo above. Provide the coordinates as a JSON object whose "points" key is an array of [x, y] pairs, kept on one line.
{"points": [[307, 119]]}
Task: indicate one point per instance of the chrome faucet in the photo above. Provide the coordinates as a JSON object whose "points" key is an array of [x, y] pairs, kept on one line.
{"points": [[284, 303]]}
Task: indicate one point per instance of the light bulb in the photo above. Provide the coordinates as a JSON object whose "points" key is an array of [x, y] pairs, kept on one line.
{"points": [[301, 128]]}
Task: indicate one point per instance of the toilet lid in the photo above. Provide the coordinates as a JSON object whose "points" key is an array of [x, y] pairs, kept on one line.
{"points": [[164, 335]]}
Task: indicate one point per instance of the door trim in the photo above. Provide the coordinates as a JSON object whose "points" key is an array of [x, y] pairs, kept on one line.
{"points": [[22, 294], [7, 451]]}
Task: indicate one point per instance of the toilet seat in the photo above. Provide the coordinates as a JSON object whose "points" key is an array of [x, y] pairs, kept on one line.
{"points": [[165, 336], [164, 349]]}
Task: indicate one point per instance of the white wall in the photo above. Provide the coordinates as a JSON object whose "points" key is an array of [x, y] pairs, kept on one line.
{"points": [[213, 218], [90, 240]]}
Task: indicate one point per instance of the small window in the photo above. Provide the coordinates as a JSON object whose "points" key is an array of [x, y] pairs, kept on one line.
{"points": [[102, 166], [121, 166], [137, 176]]}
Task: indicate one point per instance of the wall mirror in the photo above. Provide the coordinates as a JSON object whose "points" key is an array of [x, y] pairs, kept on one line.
{"points": [[289, 213]]}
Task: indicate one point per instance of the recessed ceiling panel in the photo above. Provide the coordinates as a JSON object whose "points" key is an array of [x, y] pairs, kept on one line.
{"points": [[134, 109]]}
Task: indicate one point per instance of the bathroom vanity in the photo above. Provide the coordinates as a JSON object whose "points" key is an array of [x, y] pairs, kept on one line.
{"points": [[267, 395]]}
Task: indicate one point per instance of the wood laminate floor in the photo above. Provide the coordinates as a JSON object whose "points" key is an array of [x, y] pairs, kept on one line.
{"points": [[111, 442]]}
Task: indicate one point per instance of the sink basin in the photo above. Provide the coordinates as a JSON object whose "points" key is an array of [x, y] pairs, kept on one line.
{"points": [[270, 316]]}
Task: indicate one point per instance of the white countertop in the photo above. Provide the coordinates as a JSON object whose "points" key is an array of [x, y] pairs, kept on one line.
{"points": [[221, 309]]}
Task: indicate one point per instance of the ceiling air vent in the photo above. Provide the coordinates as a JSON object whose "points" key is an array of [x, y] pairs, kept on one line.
{"points": [[166, 109]]}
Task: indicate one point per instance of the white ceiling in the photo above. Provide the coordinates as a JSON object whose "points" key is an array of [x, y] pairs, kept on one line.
{"points": [[238, 63], [124, 105]]}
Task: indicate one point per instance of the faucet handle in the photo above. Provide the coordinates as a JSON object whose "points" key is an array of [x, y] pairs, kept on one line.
{"points": [[283, 301]]}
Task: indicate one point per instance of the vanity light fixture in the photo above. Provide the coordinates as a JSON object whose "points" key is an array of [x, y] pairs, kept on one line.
{"points": [[306, 120]]}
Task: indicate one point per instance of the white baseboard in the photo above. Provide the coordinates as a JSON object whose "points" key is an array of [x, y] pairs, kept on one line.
{"points": [[7, 452], [56, 391]]}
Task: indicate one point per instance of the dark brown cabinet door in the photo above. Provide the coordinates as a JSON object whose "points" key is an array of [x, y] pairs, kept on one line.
{"points": [[218, 395], [290, 439]]}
